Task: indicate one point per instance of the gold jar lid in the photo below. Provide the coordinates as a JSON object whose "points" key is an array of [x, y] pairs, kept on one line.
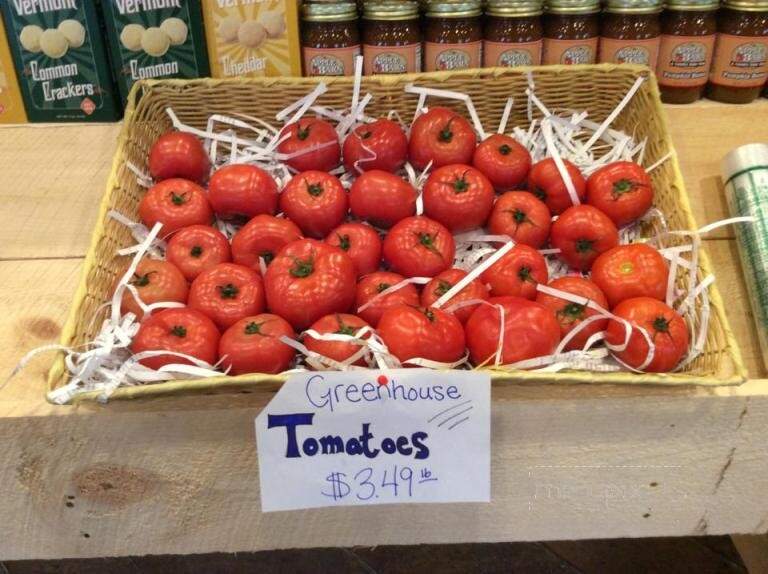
{"points": [[746, 5], [390, 10], [572, 6], [633, 6], [692, 5], [328, 11], [513, 8], [453, 8]]}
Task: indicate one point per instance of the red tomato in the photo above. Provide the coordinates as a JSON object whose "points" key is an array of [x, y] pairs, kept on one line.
{"points": [[315, 201], [522, 216], [361, 242], [371, 285], [570, 314], [441, 136], [181, 330], [530, 330], [382, 198], [263, 236], [546, 183], [253, 345], [419, 246], [417, 332], [634, 270], [517, 273], [622, 190], [156, 281], [197, 248], [309, 279], [381, 144], [665, 327], [443, 282], [175, 203], [503, 161], [227, 293], [342, 324], [239, 192], [582, 233], [313, 144], [458, 196], [179, 154]]}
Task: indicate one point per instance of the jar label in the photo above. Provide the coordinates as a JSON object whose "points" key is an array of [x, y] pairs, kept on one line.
{"points": [[644, 52], [684, 61], [392, 59], [570, 51], [740, 61], [441, 57], [511, 54], [330, 61]]}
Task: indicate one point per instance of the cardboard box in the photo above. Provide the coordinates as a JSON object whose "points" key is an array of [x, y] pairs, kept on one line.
{"points": [[158, 39], [250, 38], [11, 101]]}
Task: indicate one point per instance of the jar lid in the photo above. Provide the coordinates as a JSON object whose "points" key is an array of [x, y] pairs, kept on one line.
{"points": [[746, 5], [328, 11], [513, 8], [743, 158], [572, 6], [633, 6], [692, 5], [391, 10], [453, 8]]}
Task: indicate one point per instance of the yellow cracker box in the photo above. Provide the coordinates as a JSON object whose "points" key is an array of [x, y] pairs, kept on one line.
{"points": [[11, 104], [248, 38]]}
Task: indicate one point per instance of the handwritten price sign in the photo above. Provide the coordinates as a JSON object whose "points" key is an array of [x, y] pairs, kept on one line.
{"points": [[375, 437]]}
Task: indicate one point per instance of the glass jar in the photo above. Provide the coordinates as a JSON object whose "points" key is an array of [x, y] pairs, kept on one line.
{"points": [[330, 39], [512, 34], [571, 31], [630, 32], [685, 55], [391, 37], [740, 63], [453, 35]]}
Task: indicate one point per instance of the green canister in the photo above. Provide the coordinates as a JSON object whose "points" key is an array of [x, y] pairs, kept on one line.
{"points": [[745, 171]]}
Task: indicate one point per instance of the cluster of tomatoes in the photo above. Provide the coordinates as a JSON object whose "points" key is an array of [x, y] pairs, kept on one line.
{"points": [[327, 263]]}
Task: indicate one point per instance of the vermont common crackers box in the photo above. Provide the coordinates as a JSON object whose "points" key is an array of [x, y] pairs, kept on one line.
{"points": [[155, 39], [252, 37], [11, 103], [60, 60]]}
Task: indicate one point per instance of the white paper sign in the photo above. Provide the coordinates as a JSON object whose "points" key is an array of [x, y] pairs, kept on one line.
{"points": [[375, 437]]}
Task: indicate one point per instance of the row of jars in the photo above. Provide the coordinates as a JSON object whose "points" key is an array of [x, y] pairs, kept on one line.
{"points": [[692, 44]]}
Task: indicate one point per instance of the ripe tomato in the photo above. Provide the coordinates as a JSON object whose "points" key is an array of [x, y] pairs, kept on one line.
{"points": [[443, 282], [522, 216], [418, 332], [634, 270], [309, 279], [196, 248], [175, 203], [666, 328], [239, 192], [443, 137], [263, 236], [419, 246], [546, 183], [227, 293], [570, 314], [181, 330], [458, 196], [381, 144], [315, 201], [530, 330], [622, 190], [361, 242], [503, 161], [178, 154], [253, 345], [155, 281], [342, 324], [314, 143], [582, 233], [382, 198], [371, 285], [517, 273]]}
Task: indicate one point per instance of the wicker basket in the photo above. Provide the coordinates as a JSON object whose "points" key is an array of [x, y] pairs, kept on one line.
{"points": [[594, 88]]}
